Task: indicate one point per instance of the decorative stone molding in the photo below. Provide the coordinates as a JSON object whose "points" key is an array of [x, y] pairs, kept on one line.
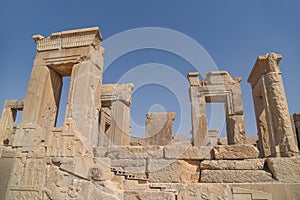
{"points": [[69, 39]]}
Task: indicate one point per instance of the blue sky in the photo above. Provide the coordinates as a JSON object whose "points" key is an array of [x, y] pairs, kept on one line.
{"points": [[234, 33]]}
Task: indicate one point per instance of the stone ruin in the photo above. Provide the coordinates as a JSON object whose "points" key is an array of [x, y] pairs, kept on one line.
{"points": [[93, 156]]}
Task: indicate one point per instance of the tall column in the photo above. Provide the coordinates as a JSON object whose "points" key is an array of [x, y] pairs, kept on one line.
{"points": [[235, 126], [198, 103], [262, 126], [296, 117], [82, 108], [40, 106], [7, 120], [105, 127], [121, 114], [266, 79]]}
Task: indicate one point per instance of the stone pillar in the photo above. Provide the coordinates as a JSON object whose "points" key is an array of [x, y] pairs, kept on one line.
{"points": [[267, 84], [159, 128], [105, 136], [121, 114], [296, 117], [81, 101], [235, 126], [199, 121], [40, 105], [262, 126], [9, 113]]}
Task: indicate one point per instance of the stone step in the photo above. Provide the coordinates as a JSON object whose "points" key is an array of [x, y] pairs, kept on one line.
{"points": [[128, 176]]}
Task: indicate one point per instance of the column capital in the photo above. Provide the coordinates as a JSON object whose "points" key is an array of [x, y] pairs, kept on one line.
{"points": [[193, 78], [264, 64]]}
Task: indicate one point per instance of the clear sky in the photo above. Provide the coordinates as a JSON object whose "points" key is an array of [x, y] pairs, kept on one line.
{"points": [[232, 32]]}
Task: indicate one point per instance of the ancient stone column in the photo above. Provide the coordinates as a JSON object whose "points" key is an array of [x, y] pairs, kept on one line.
{"points": [[267, 84], [120, 110], [296, 117], [199, 121], [105, 134], [9, 113], [159, 128]]}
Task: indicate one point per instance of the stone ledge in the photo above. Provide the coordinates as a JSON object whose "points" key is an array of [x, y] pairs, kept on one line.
{"points": [[187, 152], [129, 152], [251, 164], [173, 171], [235, 176], [235, 152], [149, 195]]}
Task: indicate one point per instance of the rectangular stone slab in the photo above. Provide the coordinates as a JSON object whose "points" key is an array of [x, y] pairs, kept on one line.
{"points": [[235, 176], [250, 164], [235, 152]]}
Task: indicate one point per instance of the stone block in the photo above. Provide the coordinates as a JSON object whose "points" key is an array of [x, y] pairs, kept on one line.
{"points": [[138, 171], [134, 152], [100, 151], [235, 176], [251, 164], [89, 168], [148, 195], [285, 169], [232, 152], [173, 171], [185, 152], [128, 163]]}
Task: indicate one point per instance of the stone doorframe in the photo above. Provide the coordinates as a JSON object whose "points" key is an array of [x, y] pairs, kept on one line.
{"points": [[217, 86]]}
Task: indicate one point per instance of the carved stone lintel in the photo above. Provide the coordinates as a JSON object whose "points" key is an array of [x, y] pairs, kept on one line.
{"points": [[69, 39]]}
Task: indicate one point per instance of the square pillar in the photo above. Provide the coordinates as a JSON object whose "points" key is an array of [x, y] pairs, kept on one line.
{"points": [[120, 112], [296, 117], [159, 128], [267, 84]]}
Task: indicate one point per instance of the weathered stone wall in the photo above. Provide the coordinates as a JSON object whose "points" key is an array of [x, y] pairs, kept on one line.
{"points": [[89, 157]]}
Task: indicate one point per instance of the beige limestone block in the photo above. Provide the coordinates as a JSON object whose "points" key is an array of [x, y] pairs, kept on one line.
{"points": [[134, 152], [173, 171], [89, 168], [187, 152], [132, 166], [285, 169], [231, 152], [250, 164], [148, 195], [235, 176], [236, 129]]}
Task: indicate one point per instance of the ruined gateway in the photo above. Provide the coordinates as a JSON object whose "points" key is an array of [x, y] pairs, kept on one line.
{"points": [[93, 156]]}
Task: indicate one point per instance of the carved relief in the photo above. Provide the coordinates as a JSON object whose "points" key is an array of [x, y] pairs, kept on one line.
{"points": [[275, 129]]}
